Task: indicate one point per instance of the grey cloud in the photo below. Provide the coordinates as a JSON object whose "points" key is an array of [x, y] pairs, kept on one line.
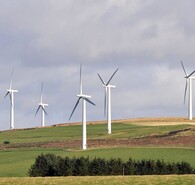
{"points": [[46, 40]]}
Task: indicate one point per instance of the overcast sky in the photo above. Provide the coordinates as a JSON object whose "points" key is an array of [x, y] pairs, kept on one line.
{"points": [[47, 40]]}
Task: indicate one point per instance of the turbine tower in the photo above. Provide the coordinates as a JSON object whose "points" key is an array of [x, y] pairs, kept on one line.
{"points": [[11, 92], [189, 79], [42, 106], [84, 98], [107, 100]]}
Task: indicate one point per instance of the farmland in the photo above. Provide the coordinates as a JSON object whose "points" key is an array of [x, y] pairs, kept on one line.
{"points": [[169, 140]]}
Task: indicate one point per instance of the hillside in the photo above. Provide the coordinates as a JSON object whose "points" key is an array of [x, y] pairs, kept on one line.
{"points": [[129, 132], [169, 139]]}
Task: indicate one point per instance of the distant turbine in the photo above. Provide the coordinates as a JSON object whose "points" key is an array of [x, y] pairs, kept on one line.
{"points": [[42, 106], [11, 92], [84, 99], [107, 99], [189, 79]]}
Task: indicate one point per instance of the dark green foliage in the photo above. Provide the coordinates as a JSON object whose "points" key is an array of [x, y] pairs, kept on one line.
{"points": [[81, 166], [129, 167], [161, 168], [184, 168], [66, 167], [45, 165], [149, 167], [6, 142], [98, 167], [114, 167], [171, 169], [51, 165]]}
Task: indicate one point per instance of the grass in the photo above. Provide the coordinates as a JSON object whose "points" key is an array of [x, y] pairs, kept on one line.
{"points": [[94, 131], [114, 180], [15, 163]]}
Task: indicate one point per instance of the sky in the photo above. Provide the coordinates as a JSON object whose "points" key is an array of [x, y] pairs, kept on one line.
{"points": [[47, 40]]}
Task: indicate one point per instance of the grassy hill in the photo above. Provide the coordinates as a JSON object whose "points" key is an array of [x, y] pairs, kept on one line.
{"points": [[120, 129], [167, 139]]}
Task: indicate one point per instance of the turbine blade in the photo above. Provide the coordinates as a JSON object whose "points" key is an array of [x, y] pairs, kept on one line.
{"points": [[38, 110], [88, 101], [190, 74], [10, 86], [42, 88], [186, 87], [6, 95], [101, 79], [42, 92], [111, 77], [75, 107], [44, 110], [184, 68], [81, 80]]}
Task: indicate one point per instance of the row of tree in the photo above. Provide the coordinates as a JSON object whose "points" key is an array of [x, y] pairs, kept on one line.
{"points": [[51, 165]]}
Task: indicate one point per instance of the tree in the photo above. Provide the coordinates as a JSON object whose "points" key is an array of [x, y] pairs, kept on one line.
{"points": [[45, 165], [51, 165], [129, 167], [115, 167], [161, 167], [66, 167], [184, 168], [81, 166], [98, 167]]}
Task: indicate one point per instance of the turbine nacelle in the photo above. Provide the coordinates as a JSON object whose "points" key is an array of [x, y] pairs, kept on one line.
{"points": [[43, 104], [83, 96], [12, 91], [191, 77], [109, 86]]}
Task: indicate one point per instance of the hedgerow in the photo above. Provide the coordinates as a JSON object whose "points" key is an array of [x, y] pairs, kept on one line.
{"points": [[51, 165]]}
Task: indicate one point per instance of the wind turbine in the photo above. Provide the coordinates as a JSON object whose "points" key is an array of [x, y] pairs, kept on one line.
{"points": [[84, 98], [107, 99], [42, 106], [189, 79], [11, 92]]}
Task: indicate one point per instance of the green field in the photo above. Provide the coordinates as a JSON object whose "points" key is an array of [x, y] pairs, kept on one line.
{"points": [[94, 131], [16, 162], [114, 180]]}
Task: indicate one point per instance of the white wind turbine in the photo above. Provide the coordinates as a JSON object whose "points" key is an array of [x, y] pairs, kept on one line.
{"points": [[189, 79], [42, 106], [107, 100], [84, 98], [11, 92]]}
